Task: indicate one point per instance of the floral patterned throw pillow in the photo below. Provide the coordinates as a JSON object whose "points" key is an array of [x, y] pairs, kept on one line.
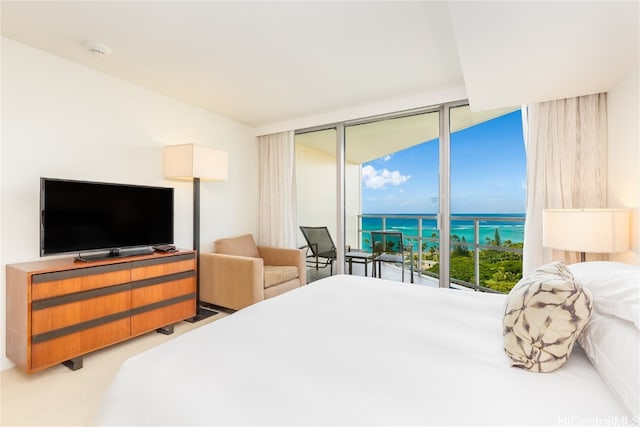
{"points": [[544, 314]]}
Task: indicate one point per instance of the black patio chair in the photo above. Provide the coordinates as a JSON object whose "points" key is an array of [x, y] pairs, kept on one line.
{"points": [[321, 251], [388, 246]]}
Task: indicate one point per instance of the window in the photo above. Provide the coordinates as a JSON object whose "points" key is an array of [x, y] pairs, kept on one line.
{"points": [[394, 174]]}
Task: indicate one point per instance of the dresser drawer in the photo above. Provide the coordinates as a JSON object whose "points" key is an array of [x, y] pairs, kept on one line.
{"points": [[60, 312], [57, 350], [65, 282], [162, 288], [146, 269], [161, 316]]}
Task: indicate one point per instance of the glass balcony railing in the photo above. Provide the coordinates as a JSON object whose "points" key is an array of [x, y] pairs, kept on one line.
{"points": [[486, 250]]}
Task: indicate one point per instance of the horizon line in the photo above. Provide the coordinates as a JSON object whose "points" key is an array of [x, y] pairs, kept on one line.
{"points": [[452, 214]]}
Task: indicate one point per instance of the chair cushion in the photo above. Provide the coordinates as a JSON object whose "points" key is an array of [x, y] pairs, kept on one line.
{"points": [[241, 246], [275, 274]]}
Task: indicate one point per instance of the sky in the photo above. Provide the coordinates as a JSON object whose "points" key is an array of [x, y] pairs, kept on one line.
{"points": [[488, 173]]}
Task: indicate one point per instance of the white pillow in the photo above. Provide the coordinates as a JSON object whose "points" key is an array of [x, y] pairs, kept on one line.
{"points": [[613, 346], [615, 287]]}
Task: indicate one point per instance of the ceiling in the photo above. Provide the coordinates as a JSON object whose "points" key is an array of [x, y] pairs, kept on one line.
{"points": [[263, 62], [376, 139]]}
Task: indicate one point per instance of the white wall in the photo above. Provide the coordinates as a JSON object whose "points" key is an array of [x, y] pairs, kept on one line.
{"points": [[316, 195], [623, 115], [63, 120]]}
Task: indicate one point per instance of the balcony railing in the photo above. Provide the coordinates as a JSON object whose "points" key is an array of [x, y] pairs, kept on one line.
{"points": [[421, 231]]}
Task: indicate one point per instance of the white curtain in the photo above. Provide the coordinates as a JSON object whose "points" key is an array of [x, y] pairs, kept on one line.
{"points": [[277, 193], [566, 145]]}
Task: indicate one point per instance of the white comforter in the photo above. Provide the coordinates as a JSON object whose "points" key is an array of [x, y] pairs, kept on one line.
{"points": [[350, 350]]}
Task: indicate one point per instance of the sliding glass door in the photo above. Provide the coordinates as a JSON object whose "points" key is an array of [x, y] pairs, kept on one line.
{"points": [[488, 196], [431, 174], [392, 185]]}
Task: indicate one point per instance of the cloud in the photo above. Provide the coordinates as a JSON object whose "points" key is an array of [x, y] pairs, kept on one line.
{"points": [[387, 157], [376, 179]]}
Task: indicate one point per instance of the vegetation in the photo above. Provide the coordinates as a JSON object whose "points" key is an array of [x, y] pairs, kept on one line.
{"points": [[499, 270]]}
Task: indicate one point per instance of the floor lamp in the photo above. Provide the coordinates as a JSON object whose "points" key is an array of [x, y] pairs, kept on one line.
{"points": [[196, 163], [586, 230]]}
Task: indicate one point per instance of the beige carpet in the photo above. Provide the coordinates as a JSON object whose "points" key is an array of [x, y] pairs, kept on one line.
{"points": [[60, 397]]}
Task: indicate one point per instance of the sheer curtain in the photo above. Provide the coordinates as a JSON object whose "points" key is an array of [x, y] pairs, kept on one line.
{"points": [[277, 190], [566, 145]]}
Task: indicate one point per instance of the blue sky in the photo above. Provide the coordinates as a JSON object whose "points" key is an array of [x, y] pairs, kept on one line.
{"points": [[488, 173]]}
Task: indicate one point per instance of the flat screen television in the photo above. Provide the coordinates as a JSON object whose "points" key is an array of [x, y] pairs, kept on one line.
{"points": [[83, 216]]}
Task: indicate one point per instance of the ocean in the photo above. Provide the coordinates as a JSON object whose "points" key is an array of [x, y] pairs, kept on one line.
{"points": [[509, 226]]}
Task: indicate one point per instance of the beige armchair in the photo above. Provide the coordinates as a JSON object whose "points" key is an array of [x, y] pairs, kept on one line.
{"points": [[240, 273]]}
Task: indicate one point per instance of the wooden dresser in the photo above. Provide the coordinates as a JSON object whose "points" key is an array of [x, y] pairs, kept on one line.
{"points": [[61, 309]]}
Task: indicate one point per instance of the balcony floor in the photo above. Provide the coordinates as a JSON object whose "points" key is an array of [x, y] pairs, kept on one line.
{"points": [[389, 272]]}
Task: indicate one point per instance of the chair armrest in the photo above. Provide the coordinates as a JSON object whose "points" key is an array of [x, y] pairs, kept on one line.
{"points": [[285, 256], [231, 281]]}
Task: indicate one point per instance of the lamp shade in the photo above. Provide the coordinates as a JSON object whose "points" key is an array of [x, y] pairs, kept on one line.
{"points": [[586, 230], [188, 161]]}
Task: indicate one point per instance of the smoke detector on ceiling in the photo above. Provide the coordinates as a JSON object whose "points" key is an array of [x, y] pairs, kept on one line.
{"points": [[98, 49]]}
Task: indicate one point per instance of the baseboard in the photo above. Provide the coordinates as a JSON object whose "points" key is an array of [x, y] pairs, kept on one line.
{"points": [[5, 363]]}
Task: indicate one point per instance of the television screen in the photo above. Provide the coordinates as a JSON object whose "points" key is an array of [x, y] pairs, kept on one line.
{"points": [[78, 216]]}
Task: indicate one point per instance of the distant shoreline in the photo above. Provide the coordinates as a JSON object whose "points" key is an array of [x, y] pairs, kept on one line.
{"points": [[481, 214], [512, 230]]}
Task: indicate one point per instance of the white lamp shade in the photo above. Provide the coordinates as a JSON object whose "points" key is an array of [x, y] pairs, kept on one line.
{"points": [[188, 161], [586, 230]]}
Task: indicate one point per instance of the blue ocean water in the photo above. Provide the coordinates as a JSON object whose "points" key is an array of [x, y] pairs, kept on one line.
{"points": [[509, 226]]}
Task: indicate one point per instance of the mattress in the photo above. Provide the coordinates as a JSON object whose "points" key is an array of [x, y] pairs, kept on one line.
{"points": [[349, 350]]}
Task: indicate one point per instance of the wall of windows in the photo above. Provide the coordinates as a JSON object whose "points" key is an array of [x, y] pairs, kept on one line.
{"points": [[397, 173]]}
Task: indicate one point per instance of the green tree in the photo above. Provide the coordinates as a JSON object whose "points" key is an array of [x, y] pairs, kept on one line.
{"points": [[460, 248], [497, 238], [502, 280]]}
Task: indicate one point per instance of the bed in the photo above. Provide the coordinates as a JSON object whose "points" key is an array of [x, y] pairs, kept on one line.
{"points": [[348, 350]]}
